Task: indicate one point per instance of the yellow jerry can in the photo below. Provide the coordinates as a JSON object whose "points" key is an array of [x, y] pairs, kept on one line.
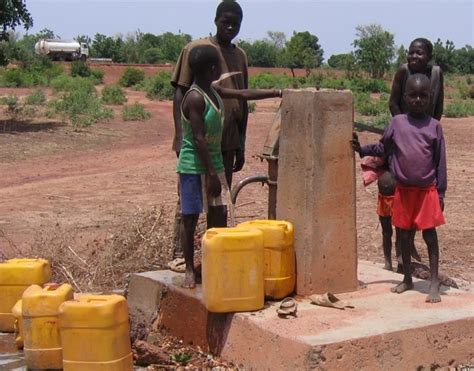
{"points": [[15, 276], [232, 270], [95, 334], [18, 325], [279, 256], [42, 343]]}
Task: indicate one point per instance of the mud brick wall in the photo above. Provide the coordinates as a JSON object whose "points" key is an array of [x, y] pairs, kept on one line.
{"points": [[316, 188]]}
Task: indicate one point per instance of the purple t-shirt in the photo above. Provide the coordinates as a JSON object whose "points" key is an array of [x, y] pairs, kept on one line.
{"points": [[417, 150]]}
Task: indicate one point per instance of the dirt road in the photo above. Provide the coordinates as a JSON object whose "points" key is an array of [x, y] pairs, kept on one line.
{"points": [[90, 181]]}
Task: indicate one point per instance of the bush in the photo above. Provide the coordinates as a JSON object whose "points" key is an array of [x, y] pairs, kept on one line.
{"points": [[66, 83], [159, 87], [369, 85], [135, 112], [81, 107], [113, 95], [367, 106], [460, 108], [35, 75], [98, 76], [380, 121], [252, 106], [269, 81], [80, 68], [132, 76], [9, 100], [36, 98]]}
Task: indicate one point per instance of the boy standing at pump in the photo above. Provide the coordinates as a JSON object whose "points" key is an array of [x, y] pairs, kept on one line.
{"points": [[202, 181], [231, 59]]}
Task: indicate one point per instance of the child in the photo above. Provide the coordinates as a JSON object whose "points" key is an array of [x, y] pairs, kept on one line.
{"points": [[420, 53], [200, 164], [418, 162]]}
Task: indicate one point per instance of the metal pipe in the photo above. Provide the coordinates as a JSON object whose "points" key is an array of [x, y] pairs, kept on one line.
{"points": [[250, 179]]}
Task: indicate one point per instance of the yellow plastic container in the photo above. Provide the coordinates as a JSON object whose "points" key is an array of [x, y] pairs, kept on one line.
{"points": [[42, 343], [279, 256], [16, 311], [15, 276], [95, 334], [232, 270]]}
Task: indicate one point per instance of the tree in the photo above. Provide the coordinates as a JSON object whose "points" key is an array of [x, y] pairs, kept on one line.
{"points": [[401, 56], [277, 38], [338, 61], [12, 14], [374, 49], [303, 51], [444, 56], [83, 39], [262, 53], [170, 45], [465, 60]]}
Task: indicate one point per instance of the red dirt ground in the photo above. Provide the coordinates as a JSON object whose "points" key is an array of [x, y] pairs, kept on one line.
{"points": [[91, 181]]}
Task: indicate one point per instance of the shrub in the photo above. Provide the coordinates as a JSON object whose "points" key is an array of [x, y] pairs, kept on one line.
{"points": [[112, 94], [135, 112], [66, 83], [252, 106], [81, 107], [98, 76], [132, 76], [369, 85], [159, 87], [460, 108], [81, 69], [367, 106], [380, 121], [36, 98], [270, 81], [9, 100]]}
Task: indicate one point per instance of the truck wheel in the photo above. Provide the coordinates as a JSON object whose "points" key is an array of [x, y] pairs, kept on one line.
{"points": [[83, 57]]}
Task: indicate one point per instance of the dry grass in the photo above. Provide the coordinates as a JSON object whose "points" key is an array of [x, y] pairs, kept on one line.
{"points": [[140, 244]]}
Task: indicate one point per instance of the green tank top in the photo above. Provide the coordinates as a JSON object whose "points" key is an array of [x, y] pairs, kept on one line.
{"points": [[189, 161]]}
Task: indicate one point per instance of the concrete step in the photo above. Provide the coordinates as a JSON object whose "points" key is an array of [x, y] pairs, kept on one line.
{"points": [[384, 331]]}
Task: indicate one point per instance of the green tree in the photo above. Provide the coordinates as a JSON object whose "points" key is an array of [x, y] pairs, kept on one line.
{"points": [[12, 14], [338, 61], [374, 49], [465, 60], [302, 51], [261, 53], [107, 47], [171, 44], [83, 39], [445, 55], [401, 56]]}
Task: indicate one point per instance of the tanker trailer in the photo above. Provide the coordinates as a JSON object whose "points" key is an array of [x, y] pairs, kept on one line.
{"points": [[62, 49]]}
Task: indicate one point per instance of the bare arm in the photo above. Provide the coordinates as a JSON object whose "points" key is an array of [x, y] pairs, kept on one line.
{"points": [[438, 112], [247, 94], [179, 93], [396, 92]]}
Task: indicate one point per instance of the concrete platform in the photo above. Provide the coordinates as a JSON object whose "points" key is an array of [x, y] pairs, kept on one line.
{"points": [[384, 331]]}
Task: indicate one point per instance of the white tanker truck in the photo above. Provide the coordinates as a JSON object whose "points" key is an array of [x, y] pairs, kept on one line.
{"points": [[62, 49]]}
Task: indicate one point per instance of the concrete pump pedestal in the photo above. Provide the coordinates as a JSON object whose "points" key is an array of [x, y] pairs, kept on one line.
{"points": [[384, 331], [316, 188]]}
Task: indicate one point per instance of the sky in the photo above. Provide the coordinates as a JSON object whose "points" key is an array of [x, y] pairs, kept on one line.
{"points": [[333, 22]]}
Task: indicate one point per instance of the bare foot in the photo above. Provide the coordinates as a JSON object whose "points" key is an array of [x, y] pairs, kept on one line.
{"points": [[388, 266], [189, 280], [402, 287], [433, 296]]}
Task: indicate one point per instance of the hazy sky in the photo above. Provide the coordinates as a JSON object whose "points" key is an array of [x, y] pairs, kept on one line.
{"points": [[333, 21]]}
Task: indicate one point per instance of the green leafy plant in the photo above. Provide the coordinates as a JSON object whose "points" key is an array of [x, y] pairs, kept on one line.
{"points": [[36, 98], [112, 94], [81, 69], [460, 108], [132, 76], [181, 358], [81, 107], [367, 106], [252, 106], [135, 112], [98, 76], [159, 87], [67, 83]]}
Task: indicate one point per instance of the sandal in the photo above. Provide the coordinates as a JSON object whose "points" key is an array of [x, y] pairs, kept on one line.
{"points": [[177, 265], [329, 300], [288, 306]]}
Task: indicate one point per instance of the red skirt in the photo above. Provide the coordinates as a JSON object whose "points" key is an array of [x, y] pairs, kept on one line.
{"points": [[417, 208], [384, 205]]}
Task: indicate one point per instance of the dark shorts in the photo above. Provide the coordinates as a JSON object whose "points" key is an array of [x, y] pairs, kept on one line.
{"points": [[192, 191]]}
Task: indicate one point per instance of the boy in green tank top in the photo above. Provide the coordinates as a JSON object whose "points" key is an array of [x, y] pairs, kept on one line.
{"points": [[200, 165]]}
